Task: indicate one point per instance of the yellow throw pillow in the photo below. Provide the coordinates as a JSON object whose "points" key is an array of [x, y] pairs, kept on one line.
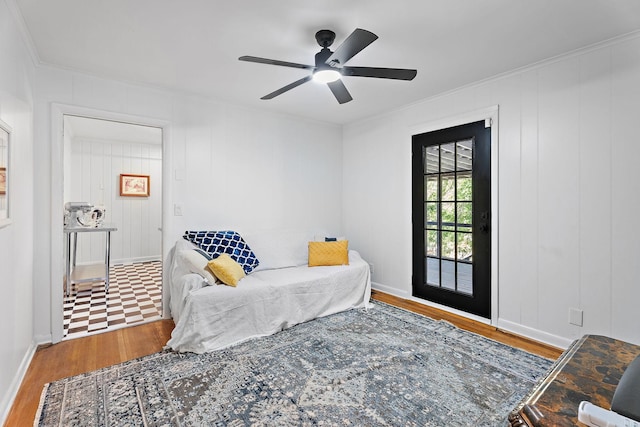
{"points": [[226, 269], [329, 253]]}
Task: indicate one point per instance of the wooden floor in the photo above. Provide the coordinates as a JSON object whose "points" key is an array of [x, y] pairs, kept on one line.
{"points": [[73, 357], [488, 331]]}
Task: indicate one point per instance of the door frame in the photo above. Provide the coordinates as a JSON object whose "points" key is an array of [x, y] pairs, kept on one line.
{"points": [[488, 114], [58, 111]]}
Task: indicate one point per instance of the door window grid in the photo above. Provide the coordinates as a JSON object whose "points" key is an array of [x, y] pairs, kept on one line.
{"points": [[448, 215]]}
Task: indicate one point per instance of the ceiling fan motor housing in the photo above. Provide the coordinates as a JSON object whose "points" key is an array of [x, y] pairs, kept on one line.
{"points": [[325, 38]]}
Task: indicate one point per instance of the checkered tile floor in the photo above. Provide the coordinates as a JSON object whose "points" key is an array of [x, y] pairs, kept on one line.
{"points": [[135, 295]]}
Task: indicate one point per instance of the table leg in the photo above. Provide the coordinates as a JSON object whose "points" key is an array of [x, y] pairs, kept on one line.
{"points": [[67, 284], [75, 247], [107, 261]]}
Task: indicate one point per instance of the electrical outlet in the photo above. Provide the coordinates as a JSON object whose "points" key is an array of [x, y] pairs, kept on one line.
{"points": [[177, 210], [575, 316]]}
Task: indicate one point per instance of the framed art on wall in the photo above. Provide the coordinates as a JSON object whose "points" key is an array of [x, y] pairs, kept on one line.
{"points": [[132, 185], [3, 180], [5, 135]]}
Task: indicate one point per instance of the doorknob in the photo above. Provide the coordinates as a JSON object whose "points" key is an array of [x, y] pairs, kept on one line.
{"points": [[484, 218]]}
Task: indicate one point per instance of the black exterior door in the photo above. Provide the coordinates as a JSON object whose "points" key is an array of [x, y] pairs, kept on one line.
{"points": [[452, 217]]}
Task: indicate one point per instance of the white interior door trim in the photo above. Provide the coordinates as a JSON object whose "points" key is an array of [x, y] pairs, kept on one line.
{"points": [[58, 111]]}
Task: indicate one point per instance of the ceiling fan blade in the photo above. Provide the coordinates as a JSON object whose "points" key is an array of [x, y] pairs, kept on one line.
{"points": [[380, 73], [275, 62], [340, 91], [286, 88], [356, 41]]}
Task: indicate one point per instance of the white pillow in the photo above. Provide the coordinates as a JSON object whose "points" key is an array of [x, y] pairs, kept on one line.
{"points": [[279, 248], [195, 262]]}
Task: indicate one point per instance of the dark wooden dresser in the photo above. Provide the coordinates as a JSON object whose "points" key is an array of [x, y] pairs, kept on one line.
{"points": [[589, 370]]}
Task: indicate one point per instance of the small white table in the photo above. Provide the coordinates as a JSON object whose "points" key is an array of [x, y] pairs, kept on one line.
{"points": [[87, 273]]}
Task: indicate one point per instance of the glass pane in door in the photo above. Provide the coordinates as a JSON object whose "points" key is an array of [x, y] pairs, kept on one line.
{"points": [[448, 204]]}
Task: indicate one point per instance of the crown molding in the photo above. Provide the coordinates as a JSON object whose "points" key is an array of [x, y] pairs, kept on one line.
{"points": [[18, 18]]}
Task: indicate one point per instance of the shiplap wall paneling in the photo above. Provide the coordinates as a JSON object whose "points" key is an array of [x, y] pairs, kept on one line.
{"points": [[625, 190], [154, 218], [205, 172], [558, 194], [131, 233], [115, 215], [95, 178], [95, 170], [528, 301], [594, 212]]}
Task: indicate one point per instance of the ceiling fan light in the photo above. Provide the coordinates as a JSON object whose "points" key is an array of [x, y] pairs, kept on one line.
{"points": [[326, 76]]}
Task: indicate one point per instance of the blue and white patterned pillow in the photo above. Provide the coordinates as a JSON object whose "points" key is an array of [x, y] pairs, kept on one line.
{"points": [[229, 242]]}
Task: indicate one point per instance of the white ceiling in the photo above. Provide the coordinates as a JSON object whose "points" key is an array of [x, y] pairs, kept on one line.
{"points": [[193, 45]]}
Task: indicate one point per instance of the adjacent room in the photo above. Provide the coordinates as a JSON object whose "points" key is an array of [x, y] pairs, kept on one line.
{"points": [[362, 213], [100, 157]]}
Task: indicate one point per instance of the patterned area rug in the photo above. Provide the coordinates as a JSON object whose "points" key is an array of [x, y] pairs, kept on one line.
{"points": [[381, 367]]}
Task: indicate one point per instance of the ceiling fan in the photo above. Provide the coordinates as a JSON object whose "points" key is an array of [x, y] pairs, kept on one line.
{"points": [[330, 65]]}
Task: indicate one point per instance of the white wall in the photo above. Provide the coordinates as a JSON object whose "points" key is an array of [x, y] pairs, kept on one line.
{"points": [[568, 191], [16, 240], [230, 167], [93, 172]]}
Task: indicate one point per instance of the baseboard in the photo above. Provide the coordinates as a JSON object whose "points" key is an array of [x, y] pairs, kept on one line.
{"points": [[42, 339], [405, 295], [136, 260], [451, 310], [534, 334], [389, 290], [126, 260], [12, 392], [505, 325]]}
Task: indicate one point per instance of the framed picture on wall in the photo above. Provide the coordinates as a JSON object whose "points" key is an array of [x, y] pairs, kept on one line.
{"points": [[132, 185], [3, 180], [5, 170]]}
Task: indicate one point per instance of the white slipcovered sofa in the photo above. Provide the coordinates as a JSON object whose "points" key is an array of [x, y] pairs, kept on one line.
{"points": [[281, 292]]}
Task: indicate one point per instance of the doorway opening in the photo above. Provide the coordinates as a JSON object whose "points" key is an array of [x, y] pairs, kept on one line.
{"points": [[113, 278], [452, 256]]}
